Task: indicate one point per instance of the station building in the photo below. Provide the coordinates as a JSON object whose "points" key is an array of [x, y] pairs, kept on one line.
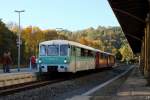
{"points": [[134, 18]]}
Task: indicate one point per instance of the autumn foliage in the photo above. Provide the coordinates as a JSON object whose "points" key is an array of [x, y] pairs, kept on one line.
{"points": [[109, 39]]}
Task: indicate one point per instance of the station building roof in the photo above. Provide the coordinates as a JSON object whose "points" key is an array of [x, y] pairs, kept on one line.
{"points": [[131, 15]]}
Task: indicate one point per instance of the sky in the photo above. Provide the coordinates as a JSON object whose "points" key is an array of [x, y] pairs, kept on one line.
{"points": [[51, 14]]}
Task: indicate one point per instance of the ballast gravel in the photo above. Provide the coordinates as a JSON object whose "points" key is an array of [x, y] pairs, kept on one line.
{"points": [[67, 89]]}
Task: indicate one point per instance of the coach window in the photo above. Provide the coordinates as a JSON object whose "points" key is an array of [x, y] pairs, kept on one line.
{"points": [[103, 57], [64, 50], [78, 50], [53, 50], [82, 52], [90, 53], [42, 50], [86, 53], [73, 49]]}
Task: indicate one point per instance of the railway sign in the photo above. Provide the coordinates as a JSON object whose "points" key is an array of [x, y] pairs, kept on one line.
{"points": [[17, 42]]}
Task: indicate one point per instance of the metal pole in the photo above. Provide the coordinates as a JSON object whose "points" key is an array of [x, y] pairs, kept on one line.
{"points": [[59, 29], [19, 45], [19, 42]]}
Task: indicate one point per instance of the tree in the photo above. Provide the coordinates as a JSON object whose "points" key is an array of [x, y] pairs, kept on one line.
{"points": [[32, 37], [103, 38], [50, 34], [126, 52], [118, 55], [7, 41]]}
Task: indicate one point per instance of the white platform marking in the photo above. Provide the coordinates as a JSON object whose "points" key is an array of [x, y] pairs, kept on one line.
{"points": [[106, 83]]}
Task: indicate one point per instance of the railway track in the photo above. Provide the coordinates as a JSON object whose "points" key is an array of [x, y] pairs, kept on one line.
{"points": [[36, 84], [25, 86]]}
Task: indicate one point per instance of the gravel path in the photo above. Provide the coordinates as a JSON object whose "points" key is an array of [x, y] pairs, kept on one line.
{"points": [[66, 89]]}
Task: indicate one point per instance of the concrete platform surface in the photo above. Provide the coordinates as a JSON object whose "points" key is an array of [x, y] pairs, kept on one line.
{"points": [[133, 88], [15, 77], [21, 70]]}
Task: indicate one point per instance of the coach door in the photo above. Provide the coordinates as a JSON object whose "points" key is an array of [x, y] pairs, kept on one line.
{"points": [[97, 60]]}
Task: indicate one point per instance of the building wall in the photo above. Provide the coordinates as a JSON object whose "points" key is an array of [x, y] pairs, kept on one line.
{"points": [[142, 57], [146, 49]]}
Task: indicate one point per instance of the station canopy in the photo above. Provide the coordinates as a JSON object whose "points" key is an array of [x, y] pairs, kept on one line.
{"points": [[131, 15]]}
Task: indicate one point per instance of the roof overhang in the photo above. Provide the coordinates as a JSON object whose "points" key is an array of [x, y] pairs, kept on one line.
{"points": [[131, 15]]}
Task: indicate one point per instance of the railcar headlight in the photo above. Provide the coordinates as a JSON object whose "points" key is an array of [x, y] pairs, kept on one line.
{"points": [[65, 61], [40, 61]]}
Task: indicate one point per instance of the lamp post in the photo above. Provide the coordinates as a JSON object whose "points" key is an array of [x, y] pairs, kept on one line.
{"points": [[1, 20], [19, 35], [59, 29]]}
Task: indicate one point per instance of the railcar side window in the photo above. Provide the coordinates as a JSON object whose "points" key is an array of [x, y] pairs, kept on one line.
{"points": [[73, 50], [90, 53], [53, 50], [101, 56], [78, 50], [64, 50], [42, 50], [83, 52]]}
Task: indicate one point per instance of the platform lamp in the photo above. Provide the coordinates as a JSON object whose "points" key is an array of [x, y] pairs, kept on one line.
{"points": [[19, 41]]}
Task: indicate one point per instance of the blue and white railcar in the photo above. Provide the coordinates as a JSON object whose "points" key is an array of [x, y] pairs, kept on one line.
{"points": [[65, 56]]}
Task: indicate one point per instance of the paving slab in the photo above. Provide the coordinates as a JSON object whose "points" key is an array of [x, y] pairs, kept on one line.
{"points": [[131, 88]]}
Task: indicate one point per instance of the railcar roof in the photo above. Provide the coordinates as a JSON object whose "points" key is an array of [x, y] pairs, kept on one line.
{"points": [[73, 44], [66, 42], [103, 52]]}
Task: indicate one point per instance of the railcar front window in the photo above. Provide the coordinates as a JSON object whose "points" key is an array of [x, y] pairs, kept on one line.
{"points": [[42, 50], [53, 50], [64, 50]]}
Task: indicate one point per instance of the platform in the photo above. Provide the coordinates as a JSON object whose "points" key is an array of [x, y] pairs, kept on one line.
{"points": [[133, 88], [23, 76], [27, 69]]}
